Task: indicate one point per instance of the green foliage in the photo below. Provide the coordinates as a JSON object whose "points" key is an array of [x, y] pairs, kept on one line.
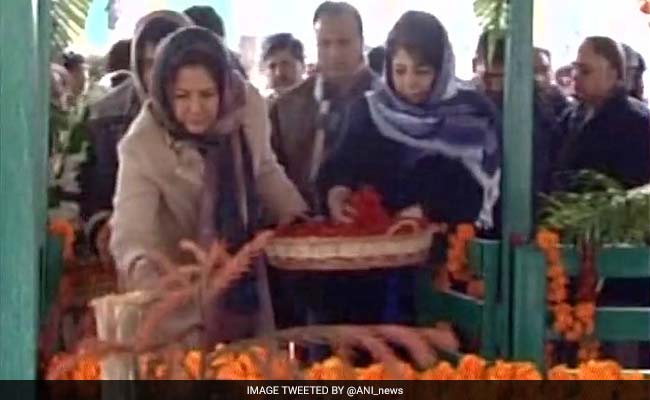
{"points": [[493, 18], [492, 14], [68, 21], [599, 210]]}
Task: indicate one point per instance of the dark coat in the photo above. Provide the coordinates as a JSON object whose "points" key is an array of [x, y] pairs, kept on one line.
{"points": [[615, 141], [404, 175], [294, 121], [108, 121]]}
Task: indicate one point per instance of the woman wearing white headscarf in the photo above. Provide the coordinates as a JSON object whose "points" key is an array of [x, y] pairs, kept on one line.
{"points": [[420, 140]]}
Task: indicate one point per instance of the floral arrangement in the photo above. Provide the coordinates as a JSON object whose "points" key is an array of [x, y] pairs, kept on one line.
{"points": [[575, 323], [204, 281], [370, 217], [258, 363], [457, 264]]}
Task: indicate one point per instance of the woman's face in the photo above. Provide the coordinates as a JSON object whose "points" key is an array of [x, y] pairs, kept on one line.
{"points": [[196, 99], [594, 76], [413, 80]]}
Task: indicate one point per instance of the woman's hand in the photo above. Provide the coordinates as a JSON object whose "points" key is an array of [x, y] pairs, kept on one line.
{"points": [[142, 274], [338, 202]]}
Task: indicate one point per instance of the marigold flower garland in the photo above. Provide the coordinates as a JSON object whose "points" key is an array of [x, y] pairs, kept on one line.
{"points": [[457, 263], [247, 365], [574, 323], [65, 229]]}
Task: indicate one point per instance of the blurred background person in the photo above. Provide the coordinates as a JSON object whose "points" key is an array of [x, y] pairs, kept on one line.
{"points": [[76, 66], [564, 80], [634, 70], [118, 63], [206, 17], [283, 62], [376, 57]]}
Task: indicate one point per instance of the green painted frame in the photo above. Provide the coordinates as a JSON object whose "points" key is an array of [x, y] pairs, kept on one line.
{"points": [[24, 76], [476, 318], [613, 324], [23, 161]]}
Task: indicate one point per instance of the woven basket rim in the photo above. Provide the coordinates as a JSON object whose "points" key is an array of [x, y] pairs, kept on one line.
{"points": [[351, 264], [326, 240]]}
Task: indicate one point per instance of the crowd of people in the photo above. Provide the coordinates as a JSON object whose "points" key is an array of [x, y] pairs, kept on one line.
{"points": [[179, 145]]}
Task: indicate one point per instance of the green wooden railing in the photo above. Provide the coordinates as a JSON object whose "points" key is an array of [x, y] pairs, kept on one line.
{"points": [[479, 319], [50, 274], [24, 96], [613, 324]]}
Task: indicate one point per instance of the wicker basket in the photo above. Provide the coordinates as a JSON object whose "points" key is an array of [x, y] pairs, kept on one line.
{"points": [[390, 250]]}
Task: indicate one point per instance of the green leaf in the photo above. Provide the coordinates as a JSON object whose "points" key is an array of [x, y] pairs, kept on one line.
{"points": [[599, 208], [68, 20]]}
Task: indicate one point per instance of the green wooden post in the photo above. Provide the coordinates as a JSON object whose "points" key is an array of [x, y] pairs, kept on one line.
{"points": [[491, 307], [517, 150], [529, 303], [47, 255], [21, 124]]}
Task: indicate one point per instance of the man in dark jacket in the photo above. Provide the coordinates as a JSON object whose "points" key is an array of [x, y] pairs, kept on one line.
{"points": [[307, 121], [109, 118], [549, 104], [306, 124], [607, 131]]}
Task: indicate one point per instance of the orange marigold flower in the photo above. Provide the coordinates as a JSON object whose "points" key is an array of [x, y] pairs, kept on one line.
{"points": [[379, 371], [223, 359], [476, 288], [241, 368], [471, 367], [64, 228], [374, 372], [560, 373], [249, 364], [525, 371], [562, 309], [585, 311], [234, 372], [331, 369], [560, 327], [281, 368], [462, 276], [599, 370], [192, 364], [576, 332], [555, 271], [443, 371], [553, 255], [87, 369], [500, 371], [466, 232], [454, 266], [547, 239], [557, 293], [406, 372]]}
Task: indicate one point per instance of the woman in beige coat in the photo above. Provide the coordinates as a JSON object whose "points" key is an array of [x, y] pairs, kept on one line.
{"points": [[196, 163]]}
